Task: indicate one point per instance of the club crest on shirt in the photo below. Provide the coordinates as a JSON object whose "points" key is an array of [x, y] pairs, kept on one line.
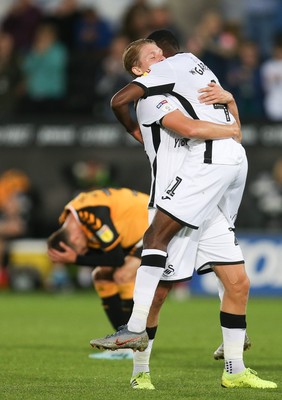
{"points": [[105, 234], [164, 106]]}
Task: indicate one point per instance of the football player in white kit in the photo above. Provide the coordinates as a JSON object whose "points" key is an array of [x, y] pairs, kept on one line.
{"points": [[212, 175]]}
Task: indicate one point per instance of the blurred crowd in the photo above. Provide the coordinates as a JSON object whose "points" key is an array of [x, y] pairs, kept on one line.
{"points": [[64, 56]]}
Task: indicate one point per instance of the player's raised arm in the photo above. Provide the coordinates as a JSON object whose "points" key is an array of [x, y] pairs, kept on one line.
{"points": [[120, 106]]}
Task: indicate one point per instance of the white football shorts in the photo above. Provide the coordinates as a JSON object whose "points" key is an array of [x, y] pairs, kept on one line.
{"points": [[213, 243], [197, 189]]}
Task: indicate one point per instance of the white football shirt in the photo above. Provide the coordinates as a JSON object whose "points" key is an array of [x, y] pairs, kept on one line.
{"points": [[166, 150], [182, 76]]}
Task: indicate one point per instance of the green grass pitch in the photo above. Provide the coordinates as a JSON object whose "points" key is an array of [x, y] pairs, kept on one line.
{"points": [[45, 347]]}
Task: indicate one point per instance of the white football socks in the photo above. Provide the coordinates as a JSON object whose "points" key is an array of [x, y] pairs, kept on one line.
{"points": [[141, 359], [146, 282], [233, 342]]}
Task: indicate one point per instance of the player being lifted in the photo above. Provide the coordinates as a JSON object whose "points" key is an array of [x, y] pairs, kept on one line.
{"points": [[212, 175]]}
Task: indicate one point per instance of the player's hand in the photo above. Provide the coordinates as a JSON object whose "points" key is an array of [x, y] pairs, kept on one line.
{"points": [[67, 256], [214, 93], [237, 133]]}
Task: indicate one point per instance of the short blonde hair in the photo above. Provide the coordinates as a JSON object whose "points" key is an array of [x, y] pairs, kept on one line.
{"points": [[130, 56]]}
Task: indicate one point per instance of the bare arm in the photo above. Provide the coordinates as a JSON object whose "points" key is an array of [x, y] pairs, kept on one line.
{"points": [[190, 128], [120, 106], [214, 93], [114, 257], [196, 129]]}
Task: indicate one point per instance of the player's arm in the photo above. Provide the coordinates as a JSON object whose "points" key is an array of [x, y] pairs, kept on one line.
{"points": [[195, 129], [214, 93], [113, 258], [93, 258], [120, 106]]}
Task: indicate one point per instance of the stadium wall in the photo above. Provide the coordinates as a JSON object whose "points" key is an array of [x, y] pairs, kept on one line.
{"points": [[46, 150]]}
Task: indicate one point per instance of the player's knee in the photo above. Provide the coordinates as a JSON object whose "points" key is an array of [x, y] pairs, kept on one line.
{"points": [[120, 278], [241, 287], [246, 284], [102, 274]]}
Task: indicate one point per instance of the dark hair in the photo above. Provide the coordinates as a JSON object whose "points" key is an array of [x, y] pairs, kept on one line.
{"points": [[164, 39], [53, 241]]}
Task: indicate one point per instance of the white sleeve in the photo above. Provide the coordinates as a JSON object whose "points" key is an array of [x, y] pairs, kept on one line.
{"points": [[154, 108]]}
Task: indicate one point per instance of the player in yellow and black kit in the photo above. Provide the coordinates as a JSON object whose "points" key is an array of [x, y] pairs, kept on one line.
{"points": [[104, 229]]}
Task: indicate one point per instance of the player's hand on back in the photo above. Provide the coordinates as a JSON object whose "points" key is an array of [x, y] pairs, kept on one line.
{"points": [[214, 93]]}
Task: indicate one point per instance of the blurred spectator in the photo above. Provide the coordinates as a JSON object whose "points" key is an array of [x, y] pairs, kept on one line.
{"points": [[92, 32], [244, 81], [45, 68], [266, 191], [271, 72], [111, 10], [64, 15], [260, 22], [92, 39], [11, 79], [21, 22], [161, 18], [214, 43], [218, 37], [136, 21], [113, 78], [196, 45], [15, 213]]}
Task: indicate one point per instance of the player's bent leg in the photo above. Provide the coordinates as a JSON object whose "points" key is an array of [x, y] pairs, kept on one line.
{"points": [[134, 336], [162, 229], [154, 256]]}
